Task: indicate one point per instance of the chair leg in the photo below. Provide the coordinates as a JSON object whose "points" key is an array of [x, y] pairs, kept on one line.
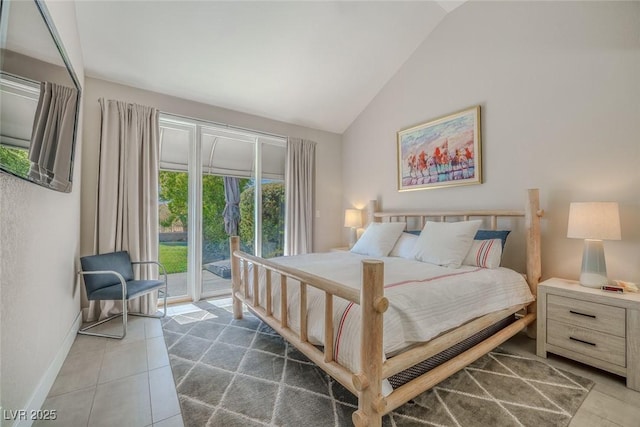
{"points": [[124, 315], [124, 324], [166, 292], [84, 330]]}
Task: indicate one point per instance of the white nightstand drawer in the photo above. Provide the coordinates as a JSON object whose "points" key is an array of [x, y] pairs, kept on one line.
{"points": [[599, 317], [605, 347], [609, 340]]}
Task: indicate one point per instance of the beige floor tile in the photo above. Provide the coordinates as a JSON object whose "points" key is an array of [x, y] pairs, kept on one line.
{"points": [[124, 402], [135, 331], [79, 371], [71, 409], [611, 409], [175, 421], [164, 400], [615, 387], [586, 418], [157, 355], [153, 328], [84, 343], [123, 361]]}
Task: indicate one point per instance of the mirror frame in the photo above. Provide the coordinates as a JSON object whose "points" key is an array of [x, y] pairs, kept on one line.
{"points": [[48, 21]]}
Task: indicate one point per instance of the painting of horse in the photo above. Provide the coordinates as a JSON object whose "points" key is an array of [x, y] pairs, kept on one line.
{"points": [[443, 152]]}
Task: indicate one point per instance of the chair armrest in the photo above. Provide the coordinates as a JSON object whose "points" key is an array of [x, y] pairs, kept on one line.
{"points": [[164, 270], [115, 273]]}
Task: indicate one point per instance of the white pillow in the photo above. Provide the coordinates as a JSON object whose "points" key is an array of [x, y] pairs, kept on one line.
{"points": [[446, 243], [378, 239], [484, 253], [404, 247]]}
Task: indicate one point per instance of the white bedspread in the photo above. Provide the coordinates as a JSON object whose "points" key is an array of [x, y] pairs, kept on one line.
{"points": [[425, 300]]}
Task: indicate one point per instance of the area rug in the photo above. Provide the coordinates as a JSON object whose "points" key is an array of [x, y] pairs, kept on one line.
{"points": [[242, 373]]}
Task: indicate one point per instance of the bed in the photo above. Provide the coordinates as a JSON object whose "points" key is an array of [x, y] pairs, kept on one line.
{"points": [[334, 315]]}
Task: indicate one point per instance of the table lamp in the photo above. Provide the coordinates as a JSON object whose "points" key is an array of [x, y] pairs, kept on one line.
{"points": [[594, 222], [353, 220]]}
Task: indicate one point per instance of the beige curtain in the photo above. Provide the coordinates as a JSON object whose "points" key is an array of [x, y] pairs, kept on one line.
{"points": [[51, 147], [127, 202], [300, 175]]}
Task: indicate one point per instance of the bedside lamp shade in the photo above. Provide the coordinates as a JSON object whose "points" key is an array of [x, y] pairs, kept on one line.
{"points": [[353, 220], [594, 222]]}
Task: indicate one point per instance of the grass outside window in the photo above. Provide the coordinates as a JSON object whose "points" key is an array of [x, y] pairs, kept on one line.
{"points": [[173, 257]]}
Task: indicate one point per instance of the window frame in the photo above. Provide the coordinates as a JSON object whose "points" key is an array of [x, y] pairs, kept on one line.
{"points": [[195, 172]]}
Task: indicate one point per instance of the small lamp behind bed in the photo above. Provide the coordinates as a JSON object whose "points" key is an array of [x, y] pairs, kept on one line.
{"points": [[594, 222], [353, 220]]}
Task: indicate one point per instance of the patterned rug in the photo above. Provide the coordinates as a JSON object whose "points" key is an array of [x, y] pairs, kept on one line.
{"points": [[242, 373]]}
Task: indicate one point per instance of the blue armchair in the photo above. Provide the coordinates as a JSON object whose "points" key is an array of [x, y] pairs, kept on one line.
{"points": [[110, 276]]}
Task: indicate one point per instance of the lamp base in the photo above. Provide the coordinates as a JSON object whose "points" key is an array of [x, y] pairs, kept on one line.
{"points": [[593, 280], [594, 268]]}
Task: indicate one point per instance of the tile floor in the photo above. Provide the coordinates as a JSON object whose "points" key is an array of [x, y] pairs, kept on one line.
{"points": [[106, 382]]}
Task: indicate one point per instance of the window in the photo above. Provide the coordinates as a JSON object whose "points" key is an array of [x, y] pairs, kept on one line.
{"points": [[199, 162]]}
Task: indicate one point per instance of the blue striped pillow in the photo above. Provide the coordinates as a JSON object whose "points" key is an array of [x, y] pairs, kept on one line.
{"points": [[493, 234]]}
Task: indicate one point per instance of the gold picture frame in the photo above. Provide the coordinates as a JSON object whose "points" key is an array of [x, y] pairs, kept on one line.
{"points": [[444, 152]]}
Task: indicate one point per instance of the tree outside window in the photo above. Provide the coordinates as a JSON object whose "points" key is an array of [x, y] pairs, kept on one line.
{"points": [[174, 215]]}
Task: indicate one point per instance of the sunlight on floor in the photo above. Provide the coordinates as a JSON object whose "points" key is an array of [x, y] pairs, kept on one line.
{"points": [[190, 312]]}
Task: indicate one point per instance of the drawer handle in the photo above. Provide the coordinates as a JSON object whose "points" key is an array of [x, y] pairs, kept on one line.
{"points": [[582, 314], [582, 341]]}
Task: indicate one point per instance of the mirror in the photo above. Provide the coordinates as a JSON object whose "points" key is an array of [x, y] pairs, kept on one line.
{"points": [[39, 97]]}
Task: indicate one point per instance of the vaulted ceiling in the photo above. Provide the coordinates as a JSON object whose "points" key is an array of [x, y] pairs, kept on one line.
{"points": [[315, 64]]}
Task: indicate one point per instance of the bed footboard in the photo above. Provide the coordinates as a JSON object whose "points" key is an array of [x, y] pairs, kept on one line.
{"points": [[367, 384]]}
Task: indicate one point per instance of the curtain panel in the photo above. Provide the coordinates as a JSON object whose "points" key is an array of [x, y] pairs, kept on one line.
{"points": [[300, 171], [127, 201], [51, 146]]}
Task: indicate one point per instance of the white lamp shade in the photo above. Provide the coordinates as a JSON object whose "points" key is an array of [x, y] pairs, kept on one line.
{"points": [[594, 220], [352, 218]]}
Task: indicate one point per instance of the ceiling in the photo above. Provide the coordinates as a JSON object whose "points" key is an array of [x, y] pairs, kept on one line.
{"points": [[315, 64]]}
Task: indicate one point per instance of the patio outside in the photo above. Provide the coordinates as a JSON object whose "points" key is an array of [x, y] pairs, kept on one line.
{"points": [[211, 284]]}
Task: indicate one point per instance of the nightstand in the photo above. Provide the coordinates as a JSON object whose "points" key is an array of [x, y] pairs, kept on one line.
{"points": [[595, 327], [340, 249]]}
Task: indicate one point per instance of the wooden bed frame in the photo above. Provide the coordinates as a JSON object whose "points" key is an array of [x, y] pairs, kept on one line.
{"points": [[367, 384]]}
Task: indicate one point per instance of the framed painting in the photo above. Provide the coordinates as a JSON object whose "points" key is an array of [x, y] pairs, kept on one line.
{"points": [[441, 153]]}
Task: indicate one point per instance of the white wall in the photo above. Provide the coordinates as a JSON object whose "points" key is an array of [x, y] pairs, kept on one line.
{"points": [[327, 227], [559, 86], [40, 237]]}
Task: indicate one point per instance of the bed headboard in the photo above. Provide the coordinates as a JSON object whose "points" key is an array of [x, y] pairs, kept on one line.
{"points": [[531, 214]]}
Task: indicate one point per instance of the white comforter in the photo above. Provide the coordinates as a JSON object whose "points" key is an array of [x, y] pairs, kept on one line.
{"points": [[425, 300]]}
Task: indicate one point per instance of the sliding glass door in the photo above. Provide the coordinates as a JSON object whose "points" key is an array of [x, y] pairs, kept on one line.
{"points": [[227, 173], [234, 186]]}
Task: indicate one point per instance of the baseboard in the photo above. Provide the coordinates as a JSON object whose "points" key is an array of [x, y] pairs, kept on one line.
{"points": [[41, 392]]}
